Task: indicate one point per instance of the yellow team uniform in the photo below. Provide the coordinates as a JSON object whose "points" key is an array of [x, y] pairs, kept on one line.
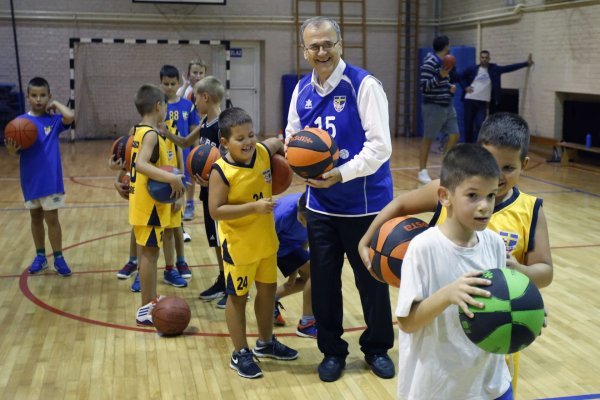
{"points": [[249, 243], [176, 216], [515, 220], [147, 216]]}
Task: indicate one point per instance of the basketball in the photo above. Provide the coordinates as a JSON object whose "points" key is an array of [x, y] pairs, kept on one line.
{"points": [[161, 191], [201, 159], [389, 245], [121, 150], [23, 131], [125, 180], [312, 152], [511, 319], [449, 61], [281, 174], [171, 315]]}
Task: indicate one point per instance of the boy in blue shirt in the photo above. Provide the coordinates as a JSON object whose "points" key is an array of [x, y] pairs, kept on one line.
{"points": [[41, 173]]}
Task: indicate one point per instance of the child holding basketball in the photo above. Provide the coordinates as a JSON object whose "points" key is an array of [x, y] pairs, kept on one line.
{"points": [[240, 200], [41, 173], [148, 217], [440, 273]]}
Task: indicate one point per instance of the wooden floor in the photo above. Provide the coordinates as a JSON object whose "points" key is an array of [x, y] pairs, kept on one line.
{"points": [[75, 338]]}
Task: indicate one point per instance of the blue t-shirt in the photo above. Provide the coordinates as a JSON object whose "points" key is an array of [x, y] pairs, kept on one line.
{"points": [[184, 114], [41, 168], [290, 232]]}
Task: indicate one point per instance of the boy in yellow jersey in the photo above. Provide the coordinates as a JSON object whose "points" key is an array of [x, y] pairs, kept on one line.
{"points": [[148, 217], [518, 217], [240, 201]]}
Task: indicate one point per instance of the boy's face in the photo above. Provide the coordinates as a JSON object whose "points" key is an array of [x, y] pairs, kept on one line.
{"points": [[201, 102], [472, 202], [196, 73], [38, 98], [241, 143], [169, 86], [509, 161], [161, 108]]}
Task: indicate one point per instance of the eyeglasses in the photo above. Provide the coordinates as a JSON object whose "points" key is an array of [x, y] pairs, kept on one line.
{"points": [[327, 46]]}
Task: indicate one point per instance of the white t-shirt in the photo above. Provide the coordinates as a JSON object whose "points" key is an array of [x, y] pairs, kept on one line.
{"points": [[439, 361], [482, 86]]}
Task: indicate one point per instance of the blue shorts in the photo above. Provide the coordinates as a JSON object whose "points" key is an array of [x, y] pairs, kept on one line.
{"points": [[292, 261], [439, 119]]}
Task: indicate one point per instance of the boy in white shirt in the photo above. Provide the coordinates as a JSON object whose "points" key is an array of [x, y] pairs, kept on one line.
{"points": [[441, 272]]}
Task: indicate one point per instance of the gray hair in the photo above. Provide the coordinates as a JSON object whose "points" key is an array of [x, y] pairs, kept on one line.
{"points": [[317, 22]]}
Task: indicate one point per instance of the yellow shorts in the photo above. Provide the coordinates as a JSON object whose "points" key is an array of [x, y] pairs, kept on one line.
{"points": [[175, 219], [149, 236], [239, 278]]}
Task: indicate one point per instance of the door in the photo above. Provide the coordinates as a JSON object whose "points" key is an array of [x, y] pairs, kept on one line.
{"points": [[245, 79]]}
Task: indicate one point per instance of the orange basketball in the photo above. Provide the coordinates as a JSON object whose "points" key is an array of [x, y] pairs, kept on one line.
{"points": [[281, 174], [125, 180], [449, 61], [23, 131], [390, 244], [171, 315], [312, 152], [201, 159], [121, 150]]}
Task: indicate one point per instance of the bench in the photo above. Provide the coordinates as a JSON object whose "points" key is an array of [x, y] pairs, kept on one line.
{"points": [[570, 150]]}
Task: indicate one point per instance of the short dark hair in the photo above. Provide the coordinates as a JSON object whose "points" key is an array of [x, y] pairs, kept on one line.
{"points": [[146, 97], [231, 117], [169, 71], [464, 161], [440, 42], [484, 51], [504, 129], [38, 82]]}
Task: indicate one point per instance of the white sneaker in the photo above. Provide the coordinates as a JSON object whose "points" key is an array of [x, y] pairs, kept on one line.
{"points": [[143, 316], [423, 176], [186, 237]]}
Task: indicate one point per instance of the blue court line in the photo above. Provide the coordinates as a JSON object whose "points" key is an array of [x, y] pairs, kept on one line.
{"points": [[581, 397], [560, 186]]}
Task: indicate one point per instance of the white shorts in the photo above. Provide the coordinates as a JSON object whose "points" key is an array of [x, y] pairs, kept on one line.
{"points": [[48, 203]]}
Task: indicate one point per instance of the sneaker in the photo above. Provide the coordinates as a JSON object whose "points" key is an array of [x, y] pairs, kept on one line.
{"points": [[222, 303], [61, 267], [127, 270], [277, 317], [331, 368], [143, 316], [188, 212], [135, 286], [423, 176], [184, 270], [309, 330], [276, 350], [216, 290], [39, 264], [381, 365], [243, 362], [186, 237], [172, 277]]}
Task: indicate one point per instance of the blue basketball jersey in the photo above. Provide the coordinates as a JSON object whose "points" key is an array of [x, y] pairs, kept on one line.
{"points": [[184, 115], [41, 168], [290, 232], [337, 113]]}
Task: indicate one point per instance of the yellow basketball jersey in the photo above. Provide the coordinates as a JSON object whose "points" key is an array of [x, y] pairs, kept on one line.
{"points": [[250, 238], [143, 209], [515, 220]]}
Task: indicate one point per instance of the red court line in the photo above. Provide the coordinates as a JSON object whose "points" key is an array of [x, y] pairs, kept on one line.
{"points": [[74, 180]]}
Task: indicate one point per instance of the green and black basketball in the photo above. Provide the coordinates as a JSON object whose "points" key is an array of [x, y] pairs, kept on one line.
{"points": [[512, 317]]}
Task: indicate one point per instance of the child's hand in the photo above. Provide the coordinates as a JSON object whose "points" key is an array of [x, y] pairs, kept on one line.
{"points": [[51, 107], [11, 145], [178, 204], [363, 252], [202, 182], [460, 291], [115, 165], [177, 186], [264, 206], [121, 188]]}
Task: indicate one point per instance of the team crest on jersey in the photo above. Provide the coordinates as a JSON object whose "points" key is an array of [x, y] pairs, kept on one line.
{"points": [[47, 130], [185, 115], [510, 240], [344, 154], [339, 102], [308, 104], [267, 175]]}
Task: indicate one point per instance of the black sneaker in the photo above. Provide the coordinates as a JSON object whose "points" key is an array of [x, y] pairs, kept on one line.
{"points": [[216, 290], [275, 349], [381, 365], [243, 362], [331, 368]]}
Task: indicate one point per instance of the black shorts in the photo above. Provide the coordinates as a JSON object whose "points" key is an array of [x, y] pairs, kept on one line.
{"points": [[210, 227], [292, 261]]}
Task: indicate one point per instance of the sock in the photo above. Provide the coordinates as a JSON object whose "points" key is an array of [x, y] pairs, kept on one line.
{"points": [[190, 202], [58, 254], [180, 259], [133, 260], [306, 319], [40, 252], [260, 343], [169, 267]]}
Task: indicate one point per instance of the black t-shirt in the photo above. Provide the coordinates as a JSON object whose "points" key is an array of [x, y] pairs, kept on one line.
{"points": [[209, 134]]}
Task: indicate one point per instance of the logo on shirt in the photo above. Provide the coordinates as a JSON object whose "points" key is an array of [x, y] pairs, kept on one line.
{"points": [[510, 240], [47, 130], [267, 175], [308, 104], [185, 115], [170, 154], [339, 102], [344, 154]]}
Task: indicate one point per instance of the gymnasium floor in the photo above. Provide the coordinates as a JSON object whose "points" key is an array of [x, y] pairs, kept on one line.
{"points": [[75, 338]]}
